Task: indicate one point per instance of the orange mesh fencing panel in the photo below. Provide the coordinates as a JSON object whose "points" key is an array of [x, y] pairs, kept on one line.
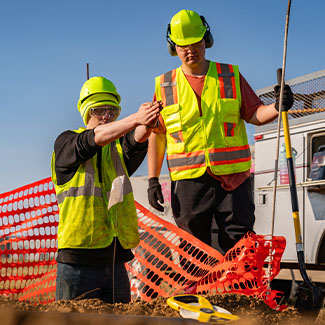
{"points": [[167, 258], [170, 261], [28, 242], [242, 269]]}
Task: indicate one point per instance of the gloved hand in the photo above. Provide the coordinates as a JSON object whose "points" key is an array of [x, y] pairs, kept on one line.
{"points": [[155, 194], [287, 97]]}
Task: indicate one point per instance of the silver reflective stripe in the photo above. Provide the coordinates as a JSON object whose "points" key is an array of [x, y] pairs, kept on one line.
{"points": [[168, 84], [121, 185], [229, 155], [226, 75], [189, 161], [175, 135], [79, 191], [88, 189], [169, 88]]}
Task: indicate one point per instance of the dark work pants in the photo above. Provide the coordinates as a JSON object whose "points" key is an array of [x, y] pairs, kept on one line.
{"points": [[88, 282], [196, 201]]}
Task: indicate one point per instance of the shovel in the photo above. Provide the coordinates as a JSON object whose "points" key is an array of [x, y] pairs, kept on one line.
{"points": [[310, 298]]}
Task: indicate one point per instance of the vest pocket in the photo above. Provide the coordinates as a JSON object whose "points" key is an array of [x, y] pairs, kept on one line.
{"points": [[172, 118], [175, 143], [234, 132], [230, 107], [231, 128]]}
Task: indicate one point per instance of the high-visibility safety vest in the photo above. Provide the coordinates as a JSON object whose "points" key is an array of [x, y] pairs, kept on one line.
{"points": [[218, 138], [93, 212]]}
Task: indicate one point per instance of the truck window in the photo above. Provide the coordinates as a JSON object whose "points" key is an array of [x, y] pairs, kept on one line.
{"points": [[316, 156]]}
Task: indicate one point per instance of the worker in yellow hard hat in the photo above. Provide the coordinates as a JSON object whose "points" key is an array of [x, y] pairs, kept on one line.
{"points": [[90, 170], [206, 105]]}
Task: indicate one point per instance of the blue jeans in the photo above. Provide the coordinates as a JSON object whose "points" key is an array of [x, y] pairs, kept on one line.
{"points": [[85, 282]]}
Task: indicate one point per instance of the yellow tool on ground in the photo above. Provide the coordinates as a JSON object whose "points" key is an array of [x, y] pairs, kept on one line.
{"points": [[197, 307]]}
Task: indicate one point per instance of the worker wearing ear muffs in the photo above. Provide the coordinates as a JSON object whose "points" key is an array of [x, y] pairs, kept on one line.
{"points": [[206, 105]]}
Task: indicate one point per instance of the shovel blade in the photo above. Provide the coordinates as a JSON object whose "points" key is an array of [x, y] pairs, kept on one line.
{"points": [[309, 300]]}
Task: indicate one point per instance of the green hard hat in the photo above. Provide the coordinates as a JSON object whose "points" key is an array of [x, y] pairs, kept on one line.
{"points": [[96, 85], [96, 92], [186, 27]]}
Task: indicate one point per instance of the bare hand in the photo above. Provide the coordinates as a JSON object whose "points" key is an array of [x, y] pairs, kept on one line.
{"points": [[148, 113]]}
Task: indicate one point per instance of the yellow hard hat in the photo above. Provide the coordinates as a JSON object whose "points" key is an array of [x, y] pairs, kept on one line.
{"points": [[97, 91], [186, 27], [96, 85]]}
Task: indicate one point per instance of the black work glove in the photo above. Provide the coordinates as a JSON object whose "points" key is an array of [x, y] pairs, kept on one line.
{"points": [[155, 194], [287, 97]]}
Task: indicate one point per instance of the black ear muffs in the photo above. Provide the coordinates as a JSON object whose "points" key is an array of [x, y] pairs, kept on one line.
{"points": [[208, 38], [171, 46], [208, 35]]}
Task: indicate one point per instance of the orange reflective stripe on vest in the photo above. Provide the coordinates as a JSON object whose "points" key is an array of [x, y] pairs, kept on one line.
{"points": [[187, 160], [231, 155], [168, 88], [226, 78]]}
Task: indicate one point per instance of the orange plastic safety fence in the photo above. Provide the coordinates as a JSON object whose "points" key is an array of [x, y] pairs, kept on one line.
{"points": [[241, 271], [29, 218], [41, 290], [167, 258], [167, 261]]}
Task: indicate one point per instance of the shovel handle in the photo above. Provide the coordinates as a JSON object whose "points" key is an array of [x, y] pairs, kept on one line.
{"points": [[292, 180], [316, 292]]}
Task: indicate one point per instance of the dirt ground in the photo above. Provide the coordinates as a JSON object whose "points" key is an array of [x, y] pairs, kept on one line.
{"points": [[249, 309]]}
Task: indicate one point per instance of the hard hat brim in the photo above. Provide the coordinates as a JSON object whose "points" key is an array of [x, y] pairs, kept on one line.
{"points": [[97, 100]]}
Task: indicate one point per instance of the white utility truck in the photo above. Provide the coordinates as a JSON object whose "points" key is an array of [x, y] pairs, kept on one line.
{"points": [[307, 130]]}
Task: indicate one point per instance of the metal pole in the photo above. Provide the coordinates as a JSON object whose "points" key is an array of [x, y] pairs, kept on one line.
{"points": [[269, 269], [87, 71]]}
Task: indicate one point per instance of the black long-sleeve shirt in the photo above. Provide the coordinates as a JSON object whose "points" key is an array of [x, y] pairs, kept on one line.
{"points": [[71, 149]]}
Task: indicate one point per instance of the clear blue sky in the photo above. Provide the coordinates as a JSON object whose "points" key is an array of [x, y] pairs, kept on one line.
{"points": [[45, 46]]}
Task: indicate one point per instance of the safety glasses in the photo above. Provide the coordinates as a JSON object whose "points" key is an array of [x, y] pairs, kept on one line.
{"points": [[112, 113]]}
